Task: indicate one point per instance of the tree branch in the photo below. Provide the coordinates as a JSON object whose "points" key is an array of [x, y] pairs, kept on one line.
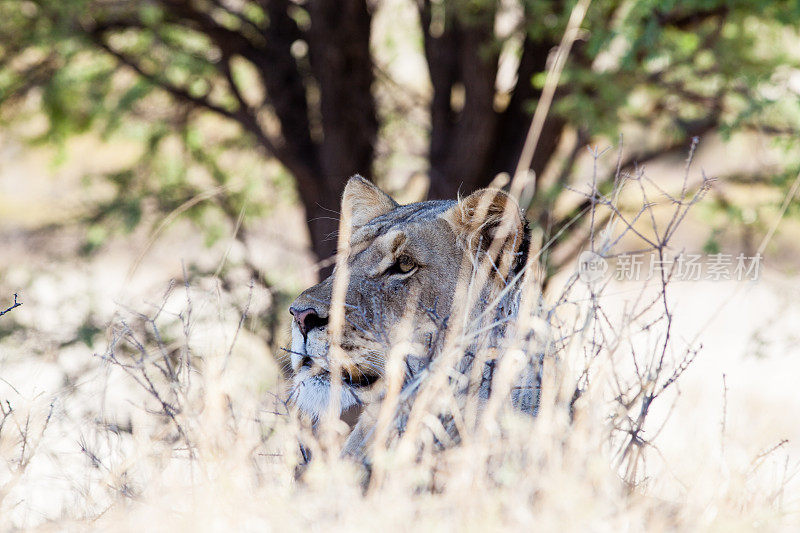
{"points": [[270, 52], [696, 129], [689, 20], [16, 304], [241, 115]]}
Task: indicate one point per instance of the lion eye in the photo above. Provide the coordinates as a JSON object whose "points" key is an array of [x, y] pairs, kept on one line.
{"points": [[403, 265]]}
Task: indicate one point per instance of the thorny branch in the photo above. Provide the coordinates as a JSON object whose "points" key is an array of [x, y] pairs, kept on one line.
{"points": [[656, 372], [16, 304], [154, 350]]}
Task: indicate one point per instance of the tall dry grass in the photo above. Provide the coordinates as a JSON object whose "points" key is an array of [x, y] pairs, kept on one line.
{"points": [[181, 429]]}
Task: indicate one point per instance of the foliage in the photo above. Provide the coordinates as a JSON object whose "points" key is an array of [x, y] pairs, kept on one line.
{"points": [[198, 82]]}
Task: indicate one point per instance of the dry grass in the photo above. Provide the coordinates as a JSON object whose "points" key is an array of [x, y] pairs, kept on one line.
{"points": [[180, 426]]}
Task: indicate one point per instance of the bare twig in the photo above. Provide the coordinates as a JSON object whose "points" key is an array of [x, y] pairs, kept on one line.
{"points": [[16, 304]]}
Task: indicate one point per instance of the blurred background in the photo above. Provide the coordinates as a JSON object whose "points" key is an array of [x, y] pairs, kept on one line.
{"points": [[144, 141]]}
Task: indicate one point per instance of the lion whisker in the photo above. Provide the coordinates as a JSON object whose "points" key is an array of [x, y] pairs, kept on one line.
{"points": [[287, 350]]}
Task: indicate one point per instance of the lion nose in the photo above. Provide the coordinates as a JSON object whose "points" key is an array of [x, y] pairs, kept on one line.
{"points": [[307, 319]]}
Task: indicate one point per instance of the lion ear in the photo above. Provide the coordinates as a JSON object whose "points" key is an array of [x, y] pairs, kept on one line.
{"points": [[490, 221], [364, 201]]}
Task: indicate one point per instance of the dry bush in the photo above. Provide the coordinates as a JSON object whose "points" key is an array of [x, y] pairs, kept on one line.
{"points": [[211, 444]]}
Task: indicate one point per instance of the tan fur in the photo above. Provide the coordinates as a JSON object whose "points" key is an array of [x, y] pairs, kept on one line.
{"points": [[447, 240], [365, 201]]}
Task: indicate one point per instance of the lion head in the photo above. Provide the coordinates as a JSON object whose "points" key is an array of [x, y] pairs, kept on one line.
{"points": [[404, 266]]}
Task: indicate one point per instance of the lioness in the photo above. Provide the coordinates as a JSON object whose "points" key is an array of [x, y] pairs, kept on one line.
{"points": [[403, 259]]}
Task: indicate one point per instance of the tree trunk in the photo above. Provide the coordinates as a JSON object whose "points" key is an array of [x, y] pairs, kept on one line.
{"points": [[342, 67], [516, 118], [462, 62], [473, 142]]}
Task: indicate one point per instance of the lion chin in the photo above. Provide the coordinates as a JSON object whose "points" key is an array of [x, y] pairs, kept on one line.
{"points": [[312, 394], [311, 385]]}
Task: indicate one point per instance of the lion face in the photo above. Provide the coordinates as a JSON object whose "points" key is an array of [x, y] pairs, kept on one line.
{"points": [[404, 267]]}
